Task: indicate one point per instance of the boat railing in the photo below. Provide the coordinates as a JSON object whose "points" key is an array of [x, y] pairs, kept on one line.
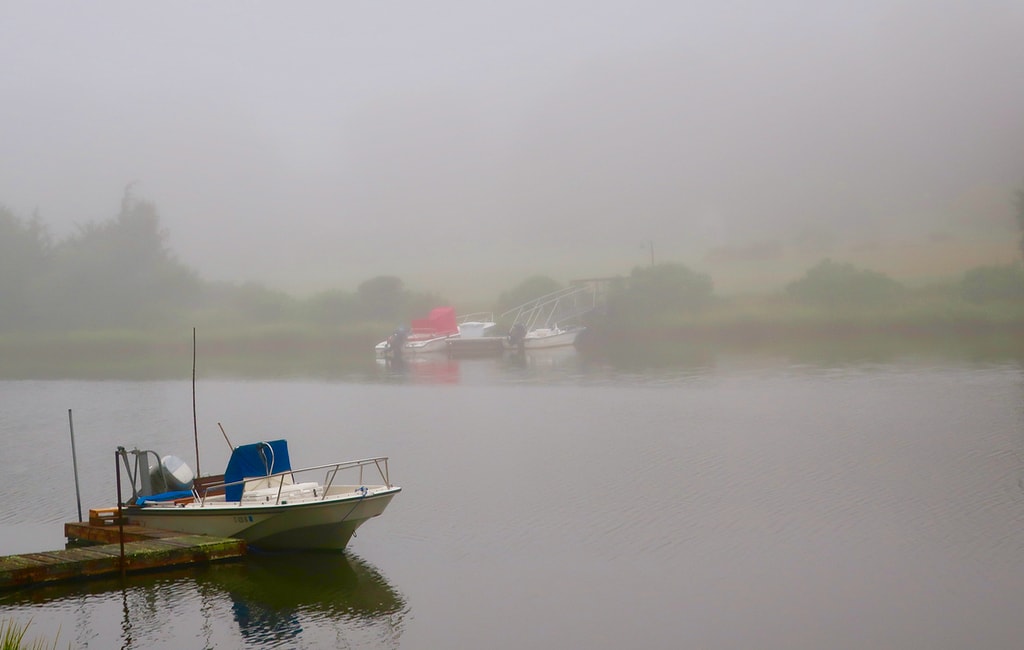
{"points": [[554, 308], [281, 479]]}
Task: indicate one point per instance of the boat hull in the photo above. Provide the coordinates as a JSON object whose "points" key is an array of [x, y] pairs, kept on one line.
{"points": [[429, 346], [309, 525], [412, 348], [542, 339]]}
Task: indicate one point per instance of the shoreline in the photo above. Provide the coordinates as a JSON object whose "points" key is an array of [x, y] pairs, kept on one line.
{"points": [[305, 353]]}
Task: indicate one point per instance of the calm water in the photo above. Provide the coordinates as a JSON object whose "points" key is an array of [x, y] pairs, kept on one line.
{"points": [[735, 503]]}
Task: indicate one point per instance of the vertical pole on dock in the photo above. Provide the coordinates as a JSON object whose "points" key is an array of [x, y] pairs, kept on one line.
{"points": [[120, 513], [195, 427], [74, 462]]}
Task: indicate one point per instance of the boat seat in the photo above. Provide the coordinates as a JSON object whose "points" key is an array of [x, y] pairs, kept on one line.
{"points": [[268, 482], [295, 492]]}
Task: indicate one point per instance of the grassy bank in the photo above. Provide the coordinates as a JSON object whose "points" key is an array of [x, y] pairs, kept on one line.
{"points": [[742, 321], [921, 326], [257, 351], [297, 349]]}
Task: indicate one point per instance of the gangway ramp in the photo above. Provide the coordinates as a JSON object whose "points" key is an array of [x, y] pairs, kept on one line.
{"points": [[563, 307]]}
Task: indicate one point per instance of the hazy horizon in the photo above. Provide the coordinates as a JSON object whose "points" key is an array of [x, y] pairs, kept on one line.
{"points": [[464, 147]]}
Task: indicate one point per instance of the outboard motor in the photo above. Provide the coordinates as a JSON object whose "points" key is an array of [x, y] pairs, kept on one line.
{"points": [[396, 342], [517, 336], [176, 473], [150, 475]]}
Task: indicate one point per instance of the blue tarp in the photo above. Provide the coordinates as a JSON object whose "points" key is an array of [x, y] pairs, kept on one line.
{"points": [[253, 461], [166, 496]]}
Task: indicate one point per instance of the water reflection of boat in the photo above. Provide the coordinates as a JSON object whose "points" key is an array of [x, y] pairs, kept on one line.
{"points": [[561, 357], [425, 369], [551, 357], [271, 595], [278, 600]]}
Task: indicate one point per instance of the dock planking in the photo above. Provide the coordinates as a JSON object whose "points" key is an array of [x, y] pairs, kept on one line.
{"points": [[79, 531], [145, 549]]}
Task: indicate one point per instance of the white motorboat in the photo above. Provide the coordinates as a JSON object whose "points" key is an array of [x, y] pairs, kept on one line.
{"points": [[544, 322], [550, 337], [431, 334], [477, 325], [260, 498]]}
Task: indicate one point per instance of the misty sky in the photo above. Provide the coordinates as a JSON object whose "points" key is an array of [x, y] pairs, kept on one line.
{"points": [[467, 145]]}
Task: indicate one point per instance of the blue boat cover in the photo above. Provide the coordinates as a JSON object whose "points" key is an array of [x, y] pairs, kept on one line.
{"points": [[254, 461], [166, 496]]}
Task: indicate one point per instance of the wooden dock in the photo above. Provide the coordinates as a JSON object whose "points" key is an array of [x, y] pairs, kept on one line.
{"points": [[145, 549]]}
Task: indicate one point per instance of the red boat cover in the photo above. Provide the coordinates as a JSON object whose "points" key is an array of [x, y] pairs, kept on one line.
{"points": [[441, 322]]}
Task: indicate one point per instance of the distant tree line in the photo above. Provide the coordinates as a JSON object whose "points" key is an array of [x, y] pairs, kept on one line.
{"points": [[120, 274], [114, 274]]}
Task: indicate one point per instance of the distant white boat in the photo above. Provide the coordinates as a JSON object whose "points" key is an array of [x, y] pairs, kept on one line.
{"points": [[544, 337], [431, 334], [476, 325], [540, 323]]}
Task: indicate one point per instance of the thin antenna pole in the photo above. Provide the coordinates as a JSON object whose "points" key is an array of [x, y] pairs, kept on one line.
{"points": [[231, 446], [74, 461], [195, 427], [120, 511]]}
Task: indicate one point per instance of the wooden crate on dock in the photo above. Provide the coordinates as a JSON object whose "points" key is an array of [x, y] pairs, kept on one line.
{"points": [[103, 516]]}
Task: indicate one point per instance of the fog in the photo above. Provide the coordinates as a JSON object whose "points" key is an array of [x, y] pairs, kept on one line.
{"points": [[464, 146]]}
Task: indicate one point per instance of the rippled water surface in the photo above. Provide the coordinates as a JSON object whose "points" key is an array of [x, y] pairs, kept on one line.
{"points": [[739, 503]]}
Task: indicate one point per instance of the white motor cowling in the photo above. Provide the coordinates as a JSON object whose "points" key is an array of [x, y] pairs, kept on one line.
{"points": [[177, 473]]}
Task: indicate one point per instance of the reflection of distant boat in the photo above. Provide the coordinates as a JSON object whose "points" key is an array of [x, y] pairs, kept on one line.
{"points": [[426, 368], [544, 359], [556, 356]]}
